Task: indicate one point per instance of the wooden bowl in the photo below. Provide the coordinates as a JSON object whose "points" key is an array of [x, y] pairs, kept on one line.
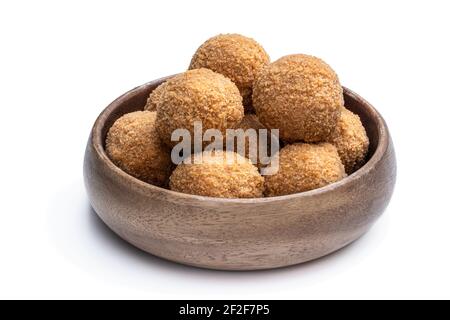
{"points": [[239, 234]]}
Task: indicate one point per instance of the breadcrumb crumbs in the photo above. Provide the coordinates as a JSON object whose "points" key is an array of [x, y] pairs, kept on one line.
{"points": [[134, 146], [301, 96], [351, 141], [305, 167], [236, 57], [154, 97], [198, 95], [217, 176]]}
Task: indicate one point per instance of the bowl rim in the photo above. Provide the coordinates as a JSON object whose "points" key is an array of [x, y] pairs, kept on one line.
{"points": [[97, 144]]}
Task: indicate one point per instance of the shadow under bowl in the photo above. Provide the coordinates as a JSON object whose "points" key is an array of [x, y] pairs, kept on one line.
{"points": [[239, 234]]}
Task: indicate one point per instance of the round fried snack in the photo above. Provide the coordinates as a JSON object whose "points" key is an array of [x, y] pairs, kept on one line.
{"points": [[198, 95], [134, 146], [301, 96], [351, 141], [236, 57], [304, 167], [222, 174]]}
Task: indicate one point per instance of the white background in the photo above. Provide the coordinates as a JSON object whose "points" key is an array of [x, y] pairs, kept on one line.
{"points": [[62, 62]]}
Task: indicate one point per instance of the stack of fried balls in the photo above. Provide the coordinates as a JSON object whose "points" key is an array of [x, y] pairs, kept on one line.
{"points": [[232, 84]]}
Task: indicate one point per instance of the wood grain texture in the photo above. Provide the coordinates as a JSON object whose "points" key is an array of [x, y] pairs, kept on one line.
{"points": [[239, 234]]}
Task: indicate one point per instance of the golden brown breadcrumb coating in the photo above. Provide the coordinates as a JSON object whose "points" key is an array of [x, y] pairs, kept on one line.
{"points": [[221, 174], [250, 121], [305, 167], [301, 96], [154, 97], [198, 95], [133, 145], [236, 57], [351, 141]]}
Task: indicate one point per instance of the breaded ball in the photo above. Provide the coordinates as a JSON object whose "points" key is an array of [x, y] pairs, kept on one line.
{"points": [[222, 174], [351, 141], [301, 96], [236, 57], [154, 97], [133, 145], [304, 167], [250, 121], [198, 95]]}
